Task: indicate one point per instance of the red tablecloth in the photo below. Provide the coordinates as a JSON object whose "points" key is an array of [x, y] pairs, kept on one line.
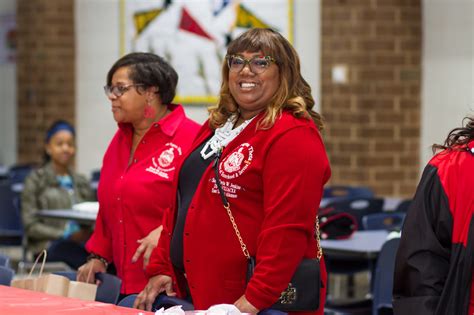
{"points": [[14, 301]]}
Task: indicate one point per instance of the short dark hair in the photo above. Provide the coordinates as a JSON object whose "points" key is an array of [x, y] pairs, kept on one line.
{"points": [[149, 70]]}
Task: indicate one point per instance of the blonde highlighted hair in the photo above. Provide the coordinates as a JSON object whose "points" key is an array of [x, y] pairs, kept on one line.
{"points": [[294, 93]]}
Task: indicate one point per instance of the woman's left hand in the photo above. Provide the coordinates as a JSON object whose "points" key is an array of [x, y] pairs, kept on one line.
{"points": [[244, 306], [147, 244]]}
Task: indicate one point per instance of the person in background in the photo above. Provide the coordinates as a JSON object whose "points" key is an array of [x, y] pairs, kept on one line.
{"points": [[138, 167], [435, 259], [272, 167], [56, 186]]}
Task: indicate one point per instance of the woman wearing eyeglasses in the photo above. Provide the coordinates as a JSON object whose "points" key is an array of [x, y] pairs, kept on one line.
{"points": [[138, 168], [271, 169]]}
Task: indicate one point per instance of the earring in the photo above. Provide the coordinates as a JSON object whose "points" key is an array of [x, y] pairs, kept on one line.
{"points": [[149, 111]]}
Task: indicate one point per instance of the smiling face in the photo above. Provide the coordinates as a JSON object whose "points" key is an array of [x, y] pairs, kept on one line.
{"points": [[129, 107], [61, 148], [252, 91]]}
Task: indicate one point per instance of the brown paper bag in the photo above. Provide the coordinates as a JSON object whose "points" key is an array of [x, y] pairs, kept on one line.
{"points": [[26, 283], [55, 284], [31, 282], [82, 290]]}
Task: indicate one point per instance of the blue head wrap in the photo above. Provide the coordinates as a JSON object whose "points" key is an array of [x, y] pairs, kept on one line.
{"points": [[58, 126]]}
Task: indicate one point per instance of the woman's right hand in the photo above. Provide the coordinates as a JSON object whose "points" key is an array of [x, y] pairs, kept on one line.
{"points": [[86, 273], [155, 286]]}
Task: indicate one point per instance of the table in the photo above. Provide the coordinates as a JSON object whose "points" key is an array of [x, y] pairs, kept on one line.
{"points": [[362, 244], [14, 301], [69, 214]]}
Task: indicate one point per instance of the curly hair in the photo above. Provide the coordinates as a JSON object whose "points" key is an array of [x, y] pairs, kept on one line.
{"points": [[458, 136], [294, 93]]}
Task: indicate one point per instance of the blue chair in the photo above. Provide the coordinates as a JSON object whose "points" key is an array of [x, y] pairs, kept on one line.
{"points": [[17, 175], [337, 191], [6, 275], [358, 207], [404, 205], [127, 301], [383, 279], [11, 227], [95, 175], [94, 182], [391, 221], [344, 192], [4, 260], [109, 289]]}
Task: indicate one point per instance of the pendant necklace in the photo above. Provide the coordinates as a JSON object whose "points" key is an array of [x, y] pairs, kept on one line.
{"points": [[223, 136]]}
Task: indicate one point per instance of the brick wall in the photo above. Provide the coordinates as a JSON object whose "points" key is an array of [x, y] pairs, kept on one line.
{"points": [[373, 120], [45, 71]]}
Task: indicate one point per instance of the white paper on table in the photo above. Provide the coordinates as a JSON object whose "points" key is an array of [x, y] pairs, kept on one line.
{"points": [[223, 309], [174, 310]]}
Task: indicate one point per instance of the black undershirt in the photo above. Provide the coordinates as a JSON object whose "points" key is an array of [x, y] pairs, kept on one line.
{"points": [[189, 177]]}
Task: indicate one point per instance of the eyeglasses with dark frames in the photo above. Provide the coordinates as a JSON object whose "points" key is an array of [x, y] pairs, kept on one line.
{"points": [[257, 64], [118, 90]]}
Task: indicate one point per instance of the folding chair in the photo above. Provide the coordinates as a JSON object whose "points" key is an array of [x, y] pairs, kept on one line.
{"points": [[344, 192], [6, 275], [4, 260], [404, 205], [107, 292], [389, 221], [383, 280], [17, 175], [11, 229]]}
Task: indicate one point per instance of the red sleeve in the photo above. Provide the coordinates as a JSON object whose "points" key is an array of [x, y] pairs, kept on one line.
{"points": [[160, 262], [99, 242], [295, 170]]}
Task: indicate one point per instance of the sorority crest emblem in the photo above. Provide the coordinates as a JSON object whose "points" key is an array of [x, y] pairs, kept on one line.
{"points": [[166, 158], [164, 164], [237, 162]]}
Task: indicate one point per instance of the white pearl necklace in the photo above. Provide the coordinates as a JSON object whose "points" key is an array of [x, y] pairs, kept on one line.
{"points": [[223, 136]]}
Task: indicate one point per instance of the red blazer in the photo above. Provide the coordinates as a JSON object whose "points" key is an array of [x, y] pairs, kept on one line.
{"points": [[133, 198], [274, 181]]}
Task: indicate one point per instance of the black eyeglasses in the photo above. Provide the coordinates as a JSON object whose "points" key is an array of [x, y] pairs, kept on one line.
{"points": [[257, 64], [118, 90]]}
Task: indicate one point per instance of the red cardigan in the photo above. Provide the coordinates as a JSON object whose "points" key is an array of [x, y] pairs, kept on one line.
{"points": [[274, 181], [133, 198]]}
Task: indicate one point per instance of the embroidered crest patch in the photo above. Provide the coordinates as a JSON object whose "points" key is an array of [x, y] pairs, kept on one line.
{"points": [[237, 162], [164, 163]]}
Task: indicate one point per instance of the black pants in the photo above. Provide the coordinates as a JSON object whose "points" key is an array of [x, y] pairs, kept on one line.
{"points": [[69, 252]]}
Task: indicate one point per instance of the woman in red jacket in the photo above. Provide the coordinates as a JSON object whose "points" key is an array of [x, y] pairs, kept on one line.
{"points": [[272, 169], [138, 168]]}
